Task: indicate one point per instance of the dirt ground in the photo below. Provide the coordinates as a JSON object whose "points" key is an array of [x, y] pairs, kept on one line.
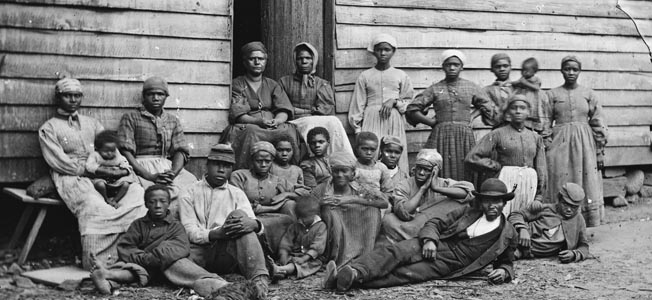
{"points": [[621, 269]]}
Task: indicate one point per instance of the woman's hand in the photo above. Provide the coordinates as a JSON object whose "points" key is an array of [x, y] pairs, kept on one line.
{"points": [[429, 250], [332, 200], [386, 109]]}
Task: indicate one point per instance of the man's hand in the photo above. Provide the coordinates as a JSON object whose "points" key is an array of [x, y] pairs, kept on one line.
{"points": [[386, 109], [238, 226], [524, 238], [429, 250], [566, 256], [497, 276]]}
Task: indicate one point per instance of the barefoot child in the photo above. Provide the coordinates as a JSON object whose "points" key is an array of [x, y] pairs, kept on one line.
{"points": [[107, 155], [303, 242], [155, 243], [316, 168], [281, 166]]}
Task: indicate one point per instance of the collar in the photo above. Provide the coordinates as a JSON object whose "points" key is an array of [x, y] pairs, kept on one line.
{"points": [[518, 129], [146, 113], [221, 187], [316, 220], [64, 115], [169, 218]]}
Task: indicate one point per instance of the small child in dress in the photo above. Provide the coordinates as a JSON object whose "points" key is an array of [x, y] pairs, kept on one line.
{"points": [[316, 168], [303, 242], [281, 166], [529, 80], [107, 155], [368, 171], [529, 85]]}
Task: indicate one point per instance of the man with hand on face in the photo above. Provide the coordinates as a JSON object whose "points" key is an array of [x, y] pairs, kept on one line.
{"points": [[221, 225], [553, 229]]}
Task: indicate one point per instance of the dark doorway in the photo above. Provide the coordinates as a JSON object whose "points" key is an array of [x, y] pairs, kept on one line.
{"points": [[246, 28]]}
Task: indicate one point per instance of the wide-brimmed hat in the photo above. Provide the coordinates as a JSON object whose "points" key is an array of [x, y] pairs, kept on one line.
{"points": [[493, 188]]}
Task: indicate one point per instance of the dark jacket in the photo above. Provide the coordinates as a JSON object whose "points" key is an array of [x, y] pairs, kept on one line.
{"points": [[454, 224]]}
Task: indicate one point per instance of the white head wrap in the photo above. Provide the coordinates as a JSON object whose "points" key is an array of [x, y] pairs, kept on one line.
{"points": [[382, 38], [453, 53], [429, 157]]}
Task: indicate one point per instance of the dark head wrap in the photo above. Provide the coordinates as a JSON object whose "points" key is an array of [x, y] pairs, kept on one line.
{"points": [[251, 47], [570, 58], [498, 56]]}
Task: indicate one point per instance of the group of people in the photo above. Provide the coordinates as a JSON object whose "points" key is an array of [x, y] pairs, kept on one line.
{"points": [[286, 193]]}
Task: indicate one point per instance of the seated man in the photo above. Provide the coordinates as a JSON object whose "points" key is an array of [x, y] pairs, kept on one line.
{"points": [[155, 244], [221, 224], [464, 241], [553, 229], [422, 197]]}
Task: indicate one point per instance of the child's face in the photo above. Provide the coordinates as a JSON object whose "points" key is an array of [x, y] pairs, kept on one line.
{"points": [[501, 69], [318, 145], [157, 204], [342, 175], [566, 210], [283, 152], [366, 151], [383, 52], [390, 155], [107, 151], [528, 71], [262, 161]]}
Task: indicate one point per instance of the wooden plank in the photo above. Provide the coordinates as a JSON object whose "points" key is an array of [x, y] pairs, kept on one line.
{"points": [[350, 37], [629, 136], [112, 45], [621, 116], [115, 21], [422, 78], [638, 9], [14, 118], [492, 20], [481, 58], [211, 7], [56, 276], [55, 66], [114, 94], [628, 156], [596, 8]]}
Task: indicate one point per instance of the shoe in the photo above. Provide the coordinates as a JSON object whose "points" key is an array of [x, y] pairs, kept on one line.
{"points": [[345, 278], [329, 281], [261, 287]]}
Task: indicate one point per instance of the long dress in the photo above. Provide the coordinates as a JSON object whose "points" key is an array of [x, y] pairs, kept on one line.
{"points": [[372, 89], [453, 136], [269, 100], [320, 100], [578, 132], [66, 144]]}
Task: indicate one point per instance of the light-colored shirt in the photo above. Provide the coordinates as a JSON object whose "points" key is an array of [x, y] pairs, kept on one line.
{"points": [[204, 208], [482, 226]]}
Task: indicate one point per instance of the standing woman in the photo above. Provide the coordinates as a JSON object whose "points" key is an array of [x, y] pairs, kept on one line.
{"points": [[452, 99], [66, 142], [381, 95], [579, 135]]}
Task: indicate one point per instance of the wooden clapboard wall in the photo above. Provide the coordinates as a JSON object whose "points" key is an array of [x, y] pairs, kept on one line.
{"points": [[614, 58], [111, 46]]}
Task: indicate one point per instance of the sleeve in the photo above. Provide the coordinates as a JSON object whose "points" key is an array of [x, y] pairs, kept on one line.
{"points": [[93, 162], [406, 94], [318, 244], [421, 102], [239, 101], [196, 233], [126, 134], [480, 155], [242, 203], [325, 102], [520, 219], [596, 121], [238, 179], [582, 250], [54, 154], [358, 104], [542, 169], [308, 168], [401, 194], [128, 250], [178, 142], [482, 102], [432, 229], [123, 162], [465, 185], [174, 248], [385, 180], [300, 175], [280, 100], [548, 106], [544, 113], [506, 259], [535, 80]]}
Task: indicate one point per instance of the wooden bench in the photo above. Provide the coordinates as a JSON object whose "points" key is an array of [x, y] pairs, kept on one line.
{"points": [[42, 204]]}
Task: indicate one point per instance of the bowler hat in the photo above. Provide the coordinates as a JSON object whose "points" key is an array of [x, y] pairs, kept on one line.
{"points": [[493, 188]]}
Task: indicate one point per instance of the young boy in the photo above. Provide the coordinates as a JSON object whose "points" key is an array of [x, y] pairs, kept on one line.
{"points": [[106, 155], [153, 245], [391, 149], [303, 242], [281, 166], [316, 168]]}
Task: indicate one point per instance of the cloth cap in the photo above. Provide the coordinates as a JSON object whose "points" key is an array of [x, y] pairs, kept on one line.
{"points": [[517, 97], [390, 139], [263, 146], [571, 58], [342, 159], [222, 152], [453, 53], [155, 83], [68, 85], [312, 50], [251, 47], [498, 56], [494, 188], [429, 157], [382, 38], [572, 193]]}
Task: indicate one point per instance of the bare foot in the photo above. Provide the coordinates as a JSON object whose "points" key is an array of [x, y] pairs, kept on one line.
{"points": [[98, 275]]}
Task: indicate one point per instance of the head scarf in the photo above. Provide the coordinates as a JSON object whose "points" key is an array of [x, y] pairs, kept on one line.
{"points": [[498, 56], [572, 193], [382, 38], [429, 157], [251, 47], [263, 146], [390, 139], [453, 53], [342, 159], [222, 152], [570, 58], [68, 85], [307, 79], [156, 83]]}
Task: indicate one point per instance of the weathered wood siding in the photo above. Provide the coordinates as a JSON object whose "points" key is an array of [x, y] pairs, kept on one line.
{"points": [[111, 46], [614, 59]]}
